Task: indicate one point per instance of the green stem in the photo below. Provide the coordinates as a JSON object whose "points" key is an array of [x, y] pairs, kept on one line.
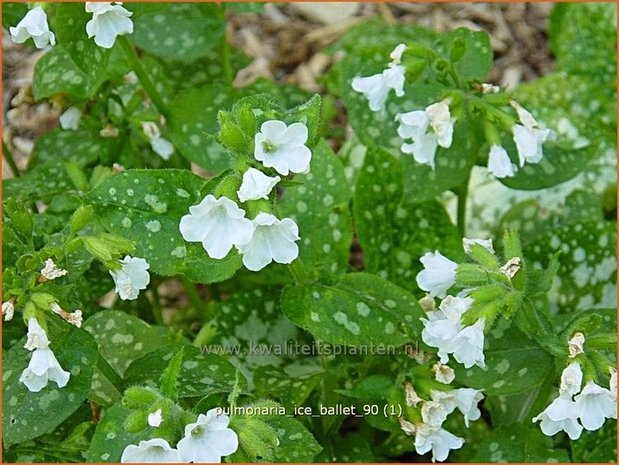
{"points": [[142, 75], [462, 193], [192, 293], [156, 306], [8, 155]]}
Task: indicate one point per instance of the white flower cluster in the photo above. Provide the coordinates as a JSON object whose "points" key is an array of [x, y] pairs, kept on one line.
{"points": [[376, 88], [433, 127], [592, 405], [109, 20], [43, 366], [220, 224], [429, 434], [529, 136], [443, 327], [205, 441]]}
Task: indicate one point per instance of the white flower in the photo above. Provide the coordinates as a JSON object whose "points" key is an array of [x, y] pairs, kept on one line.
{"points": [[108, 21], [396, 54], [560, 415], [272, 240], [529, 136], [8, 309], [571, 379], [283, 147], [162, 147], [613, 383], [511, 267], [468, 345], [575, 344], [464, 399], [438, 275], [423, 149], [408, 428], [155, 419], [444, 330], [434, 413], [412, 399], [256, 185], [51, 271], [218, 223], [427, 303], [443, 325], [442, 123], [485, 243], [376, 88], [70, 119], [131, 278], [593, 405], [37, 337], [438, 440], [208, 439], [155, 450], [428, 129], [443, 373], [34, 25], [43, 366], [499, 163], [74, 318]]}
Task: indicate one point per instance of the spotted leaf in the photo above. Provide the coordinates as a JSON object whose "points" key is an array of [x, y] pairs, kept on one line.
{"points": [[360, 308], [146, 207]]}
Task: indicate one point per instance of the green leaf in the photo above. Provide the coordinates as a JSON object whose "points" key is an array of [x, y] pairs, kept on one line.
{"points": [[146, 207], [596, 446], [578, 110], [393, 230], [56, 73], [291, 388], [296, 443], [192, 124], [508, 363], [373, 387], [200, 374], [28, 414], [69, 24], [320, 207], [587, 264], [583, 37], [474, 61], [81, 146], [123, 338], [110, 438], [169, 378], [518, 443], [360, 309], [178, 31], [248, 321], [292, 441]]}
